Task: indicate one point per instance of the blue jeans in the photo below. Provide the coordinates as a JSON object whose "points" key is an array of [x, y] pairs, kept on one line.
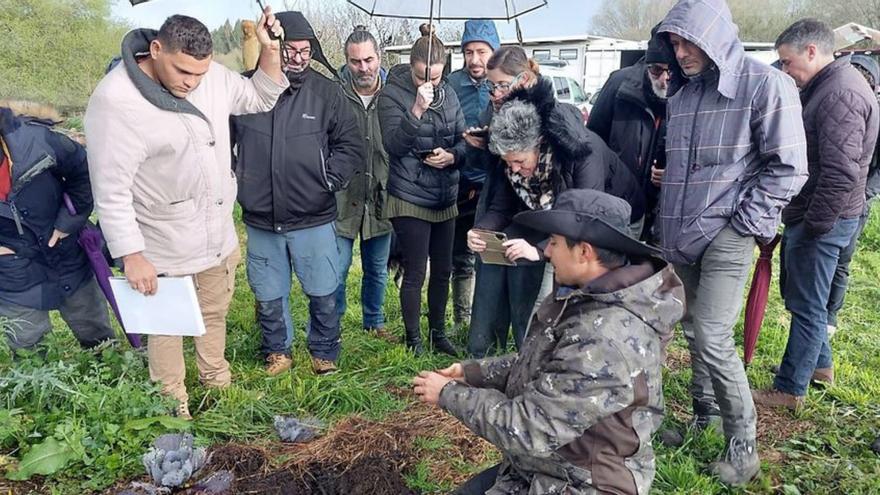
{"points": [[840, 282], [374, 261], [503, 297], [271, 260], [809, 264]]}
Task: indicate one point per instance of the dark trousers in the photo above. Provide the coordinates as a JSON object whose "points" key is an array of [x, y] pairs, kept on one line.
{"points": [[841, 274], [480, 483], [503, 297], [420, 240], [810, 263]]}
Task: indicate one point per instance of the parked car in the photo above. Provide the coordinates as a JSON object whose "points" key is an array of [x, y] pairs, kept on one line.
{"points": [[567, 89]]}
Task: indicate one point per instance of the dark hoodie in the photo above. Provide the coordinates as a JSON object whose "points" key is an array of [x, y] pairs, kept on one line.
{"points": [[404, 136], [735, 147], [581, 160]]}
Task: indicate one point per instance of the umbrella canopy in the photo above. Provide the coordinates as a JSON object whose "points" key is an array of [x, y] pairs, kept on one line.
{"points": [[135, 2], [756, 304], [448, 10]]}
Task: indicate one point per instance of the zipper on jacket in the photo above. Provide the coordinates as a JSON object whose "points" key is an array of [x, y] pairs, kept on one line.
{"points": [[692, 155], [324, 170], [16, 218]]}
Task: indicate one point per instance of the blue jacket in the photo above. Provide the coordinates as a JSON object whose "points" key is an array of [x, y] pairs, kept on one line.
{"points": [[473, 98], [45, 166]]}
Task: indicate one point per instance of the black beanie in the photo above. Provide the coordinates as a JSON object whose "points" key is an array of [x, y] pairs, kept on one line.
{"points": [[658, 52], [297, 28]]}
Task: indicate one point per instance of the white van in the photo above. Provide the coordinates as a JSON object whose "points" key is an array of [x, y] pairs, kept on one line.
{"points": [[566, 88]]}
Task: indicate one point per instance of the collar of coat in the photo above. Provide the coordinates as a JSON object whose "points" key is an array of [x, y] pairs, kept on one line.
{"points": [[565, 139], [823, 75], [138, 42]]}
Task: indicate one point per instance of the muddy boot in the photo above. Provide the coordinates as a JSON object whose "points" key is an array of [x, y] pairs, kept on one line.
{"points": [[462, 299], [674, 437], [440, 343], [740, 463], [876, 446]]}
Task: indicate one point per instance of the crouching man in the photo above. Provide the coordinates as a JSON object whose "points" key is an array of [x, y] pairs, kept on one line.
{"points": [[574, 411]]}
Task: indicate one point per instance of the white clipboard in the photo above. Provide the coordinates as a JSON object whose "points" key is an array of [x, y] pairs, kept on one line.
{"points": [[174, 309]]}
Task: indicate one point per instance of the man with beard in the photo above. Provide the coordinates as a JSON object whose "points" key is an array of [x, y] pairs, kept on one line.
{"points": [[630, 115], [736, 155], [290, 162], [361, 204], [479, 42]]}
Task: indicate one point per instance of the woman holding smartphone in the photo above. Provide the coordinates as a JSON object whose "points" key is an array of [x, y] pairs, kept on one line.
{"points": [[422, 125], [542, 149]]}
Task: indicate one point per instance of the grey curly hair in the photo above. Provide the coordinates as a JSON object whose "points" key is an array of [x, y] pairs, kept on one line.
{"points": [[515, 128]]}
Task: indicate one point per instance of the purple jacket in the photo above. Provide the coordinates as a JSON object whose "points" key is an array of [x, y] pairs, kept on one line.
{"points": [[735, 147]]}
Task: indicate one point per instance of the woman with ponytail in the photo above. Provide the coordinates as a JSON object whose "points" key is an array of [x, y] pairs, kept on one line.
{"points": [[422, 125]]}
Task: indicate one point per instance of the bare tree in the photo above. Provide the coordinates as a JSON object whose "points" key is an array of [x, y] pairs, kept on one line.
{"points": [[629, 19]]}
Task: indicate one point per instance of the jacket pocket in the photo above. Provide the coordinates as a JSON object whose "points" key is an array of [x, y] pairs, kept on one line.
{"points": [[15, 272], [174, 210]]}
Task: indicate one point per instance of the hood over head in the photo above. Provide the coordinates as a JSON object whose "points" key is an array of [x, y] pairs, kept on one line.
{"points": [[297, 28], [709, 25]]}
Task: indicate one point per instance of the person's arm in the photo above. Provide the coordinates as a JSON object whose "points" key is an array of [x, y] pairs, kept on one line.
{"points": [[261, 91], [346, 143], [841, 138], [399, 126], [72, 171], [502, 205], [489, 372], [116, 153], [574, 391], [778, 134]]}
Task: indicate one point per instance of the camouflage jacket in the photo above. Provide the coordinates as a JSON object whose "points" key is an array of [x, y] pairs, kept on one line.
{"points": [[574, 411]]}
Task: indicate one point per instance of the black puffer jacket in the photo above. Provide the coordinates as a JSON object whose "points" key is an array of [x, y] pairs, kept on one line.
{"points": [[841, 122], [581, 160], [289, 162], [404, 135], [632, 122]]}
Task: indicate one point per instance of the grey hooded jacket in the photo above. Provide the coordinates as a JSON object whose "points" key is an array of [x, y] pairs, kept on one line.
{"points": [[735, 147]]}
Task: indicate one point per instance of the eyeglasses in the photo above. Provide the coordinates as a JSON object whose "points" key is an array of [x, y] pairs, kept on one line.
{"points": [[658, 70], [304, 54], [505, 86]]}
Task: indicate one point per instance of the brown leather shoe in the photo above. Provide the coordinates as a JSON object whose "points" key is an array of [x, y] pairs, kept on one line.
{"points": [[823, 376], [182, 411], [323, 366], [277, 364], [383, 334], [776, 398]]}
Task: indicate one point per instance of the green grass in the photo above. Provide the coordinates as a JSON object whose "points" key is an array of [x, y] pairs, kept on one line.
{"points": [[106, 411]]}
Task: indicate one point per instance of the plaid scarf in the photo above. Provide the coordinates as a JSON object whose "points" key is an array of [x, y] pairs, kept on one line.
{"points": [[535, 191]]}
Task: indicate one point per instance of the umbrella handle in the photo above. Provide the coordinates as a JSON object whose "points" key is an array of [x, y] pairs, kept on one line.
{"points": [[272, 36]]}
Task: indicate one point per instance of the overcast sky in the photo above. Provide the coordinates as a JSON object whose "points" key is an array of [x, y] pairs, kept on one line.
{"points": [[560, 17]]}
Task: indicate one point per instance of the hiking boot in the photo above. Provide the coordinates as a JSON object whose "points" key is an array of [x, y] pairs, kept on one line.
{"points": [[740, 463], [440, 343], [383, 334], [182, 411], [277, 363], [323, 366], [822, 377], [674, 437], [876, 446], [777, 398], [462, 300]]}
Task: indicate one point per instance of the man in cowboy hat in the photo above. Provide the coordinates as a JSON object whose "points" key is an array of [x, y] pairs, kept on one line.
{"points": [[290, 162], [576, 408]]}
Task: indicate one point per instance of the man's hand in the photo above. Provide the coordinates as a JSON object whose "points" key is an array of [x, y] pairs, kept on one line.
{"points": [[657, 175], [456, 372], [57, 235], [440, 159], [266, 23], [519, 249], [5, 251], [428, 386], [474, 242], [141, 274]]}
